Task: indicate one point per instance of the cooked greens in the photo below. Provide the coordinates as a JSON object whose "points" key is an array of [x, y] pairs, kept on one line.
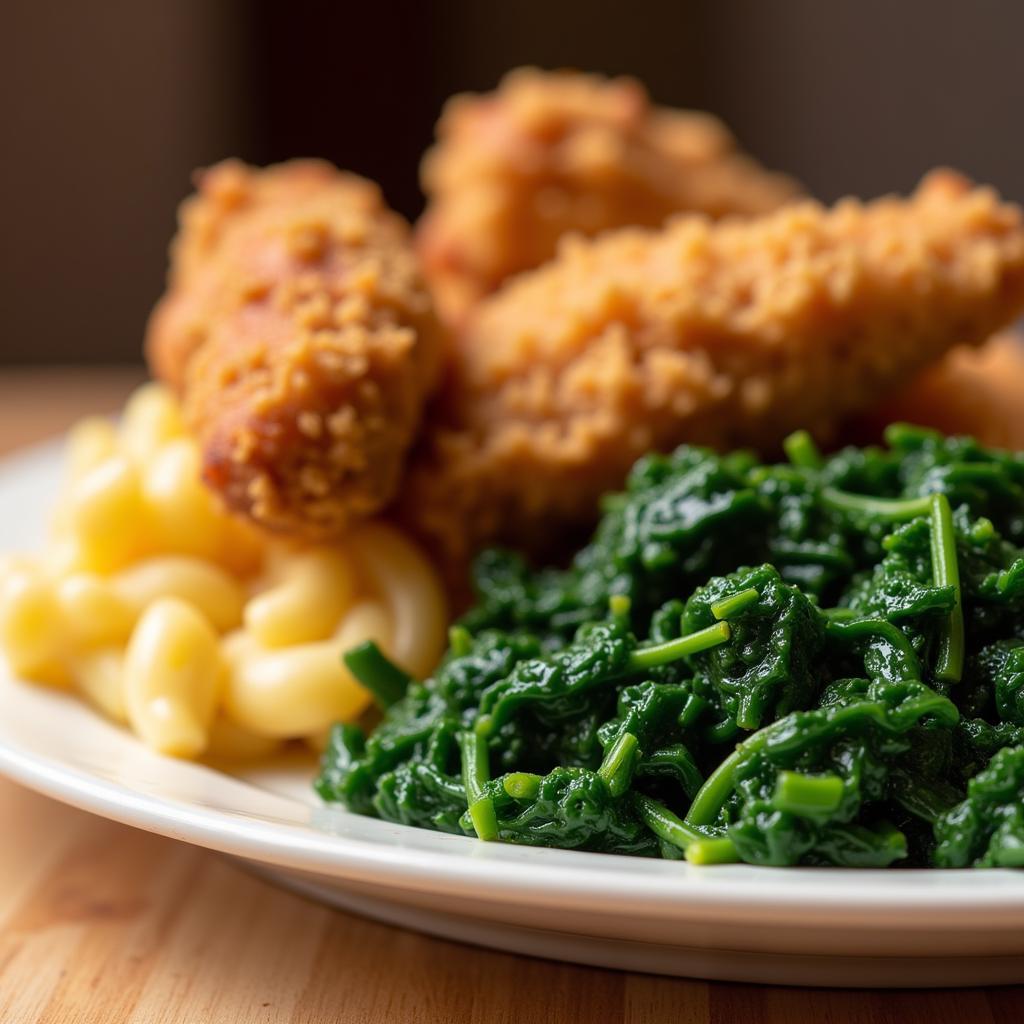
{"points": [[816, 662]]}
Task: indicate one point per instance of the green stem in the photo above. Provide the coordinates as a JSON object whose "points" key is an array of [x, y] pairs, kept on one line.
{"points": [[895, 510], [485, 819], [808, 795], [673, 650], [693, 708], [801, 450], [708, 802], [721, 732], [522, 785], [382, 677], [715, 791], [840, 614], [460, 641], [982, 471], [475, 768], [664, 824], [475, 773], [734, 604], [946, 573], [720, 850], [882, 629], [667, 826], [719, 785], [617, 767], [905, 435]]}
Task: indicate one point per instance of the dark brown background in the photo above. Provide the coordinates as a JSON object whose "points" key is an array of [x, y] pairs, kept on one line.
{"points": [[107, 106]]}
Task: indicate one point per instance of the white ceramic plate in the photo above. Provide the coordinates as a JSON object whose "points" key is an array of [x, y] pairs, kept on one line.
{"points": [[793, 926]]}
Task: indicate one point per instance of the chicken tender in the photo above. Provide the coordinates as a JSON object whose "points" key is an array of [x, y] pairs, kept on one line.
{"points": [[554, 152], [727, 334], [979, 392], [302, 338]]}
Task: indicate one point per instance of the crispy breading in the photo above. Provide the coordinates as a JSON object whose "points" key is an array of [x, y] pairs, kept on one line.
{"points": [[726, 334], [979, 392], [300, 333], [554, 152]]}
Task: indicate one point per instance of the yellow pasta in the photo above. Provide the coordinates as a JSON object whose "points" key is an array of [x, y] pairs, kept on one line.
{"points": [[172, 675], [28, 610], [150, 419], [92, 614], [183, 513], [300, 690], [99, 676], [410, 588], [204, 635], [107, 515], [89, 443], [317, 586], [206, 586]]}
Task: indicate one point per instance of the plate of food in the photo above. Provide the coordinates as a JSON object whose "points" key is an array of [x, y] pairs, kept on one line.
{"points": [[561, 576]]}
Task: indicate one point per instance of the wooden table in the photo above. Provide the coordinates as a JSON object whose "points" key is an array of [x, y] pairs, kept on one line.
{"points": [[102, 923]]}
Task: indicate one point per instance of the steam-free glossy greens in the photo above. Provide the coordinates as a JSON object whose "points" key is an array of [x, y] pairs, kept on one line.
{"points": [[818, 662]]}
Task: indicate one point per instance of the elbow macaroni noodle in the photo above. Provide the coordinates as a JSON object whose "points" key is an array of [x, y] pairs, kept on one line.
{"points": [[205, 636]]}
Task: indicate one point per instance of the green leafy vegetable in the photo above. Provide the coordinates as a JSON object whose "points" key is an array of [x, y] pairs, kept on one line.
{"points": [[814, 662], [383, 678], [987, 829], [767, 667]]}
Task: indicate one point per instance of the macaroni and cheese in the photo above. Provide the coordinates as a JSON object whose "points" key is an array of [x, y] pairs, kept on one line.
{"points": [[203, 634]]}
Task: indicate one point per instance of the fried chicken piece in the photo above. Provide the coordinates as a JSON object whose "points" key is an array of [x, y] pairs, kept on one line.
{"points": [[728, 334], [301, 336], [554, 152], [979, 392]]}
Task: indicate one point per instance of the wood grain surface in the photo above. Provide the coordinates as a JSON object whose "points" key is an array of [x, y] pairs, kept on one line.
{"points": [[102, 923]]}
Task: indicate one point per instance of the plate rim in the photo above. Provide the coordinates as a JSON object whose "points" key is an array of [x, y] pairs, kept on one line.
{"points": [[741, 891], [464, 867]]}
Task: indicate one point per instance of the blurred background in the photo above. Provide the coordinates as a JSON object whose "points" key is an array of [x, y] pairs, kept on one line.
{"points": [[108, 107]]}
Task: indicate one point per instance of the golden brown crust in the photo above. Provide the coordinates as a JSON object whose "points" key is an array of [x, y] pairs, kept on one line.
{"points": [[554, 152], [722, 334], [301, 335], [979, 392]]}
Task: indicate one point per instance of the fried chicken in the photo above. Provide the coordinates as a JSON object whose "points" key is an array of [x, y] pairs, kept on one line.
{"points": [[726, 334], [979, 392], [556, 152], [302, 338]]}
